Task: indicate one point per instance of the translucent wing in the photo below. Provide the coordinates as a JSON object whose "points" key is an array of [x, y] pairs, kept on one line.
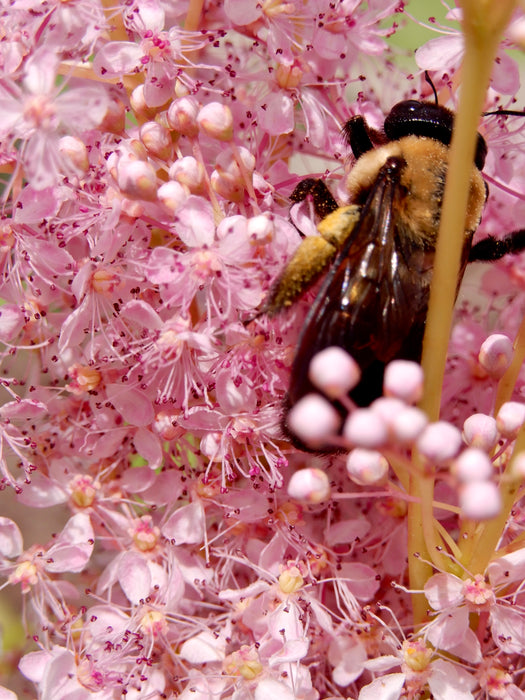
{"points": [[373, 301]]}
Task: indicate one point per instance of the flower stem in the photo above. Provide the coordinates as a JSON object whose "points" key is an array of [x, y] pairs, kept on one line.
{"points": [[193, 16], [483, 23], [420, 544], [482, 26]]}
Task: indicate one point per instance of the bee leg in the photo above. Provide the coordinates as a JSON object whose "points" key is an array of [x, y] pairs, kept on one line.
{"points": [[490, 248], [337, 226], [357, 135], [322, 198], [308, 263], [312, 258]]}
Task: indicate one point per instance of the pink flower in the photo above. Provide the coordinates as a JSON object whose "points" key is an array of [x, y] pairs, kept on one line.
{"points": [[37, 113], [35, 570], [454, 599], [446, 53], [159, 52]]}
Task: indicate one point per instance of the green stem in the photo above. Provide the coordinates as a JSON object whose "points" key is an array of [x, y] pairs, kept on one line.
{"points": [[483, 23], [476, 72], [193, 16], [422, 542]]}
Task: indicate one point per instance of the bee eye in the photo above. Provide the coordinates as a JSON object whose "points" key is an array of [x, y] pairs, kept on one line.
{"points": [[481, 152]]}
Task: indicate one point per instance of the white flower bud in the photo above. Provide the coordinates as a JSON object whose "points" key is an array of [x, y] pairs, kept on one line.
{"points": [[309, 485], [334, 372], [314, 420]]}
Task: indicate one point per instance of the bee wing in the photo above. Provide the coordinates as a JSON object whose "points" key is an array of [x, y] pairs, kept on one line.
{"points": [[373, 300]]}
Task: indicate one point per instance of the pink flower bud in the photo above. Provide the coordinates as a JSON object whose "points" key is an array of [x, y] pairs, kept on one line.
{"points": [[134, 150], [404, 380], [188, 172], [365, 428], [172, 194], [387, 408], [216, 120], [228, 179], [182, 116], [309, 485], [227, 186], [314, 420], [334, 372], [495, 355], [181, 89], [138, 104], [115, 117], [227, 161], [480, 500], [74, 150], [408, 424], [473, 465], [132, 209], [439, 442], [510, 418], [137, 179], [157, 140], [366, 467], [480, 430]]}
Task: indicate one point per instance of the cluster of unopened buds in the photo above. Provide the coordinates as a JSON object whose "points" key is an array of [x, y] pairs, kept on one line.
{"points": [[394, 428], [136, 174]]}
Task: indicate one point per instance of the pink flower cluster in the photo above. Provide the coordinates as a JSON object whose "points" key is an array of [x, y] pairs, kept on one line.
{"points": [[150, 151]]}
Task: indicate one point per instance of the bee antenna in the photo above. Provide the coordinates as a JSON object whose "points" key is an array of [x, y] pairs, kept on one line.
{"points": [[429, 81], [505, 113]]}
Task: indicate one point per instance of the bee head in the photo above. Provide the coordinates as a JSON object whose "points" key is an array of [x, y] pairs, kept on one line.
{"points": [[415, 118]]}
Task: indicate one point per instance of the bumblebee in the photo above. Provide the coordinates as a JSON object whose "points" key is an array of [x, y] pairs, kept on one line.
{"points": [[377, 253]]}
